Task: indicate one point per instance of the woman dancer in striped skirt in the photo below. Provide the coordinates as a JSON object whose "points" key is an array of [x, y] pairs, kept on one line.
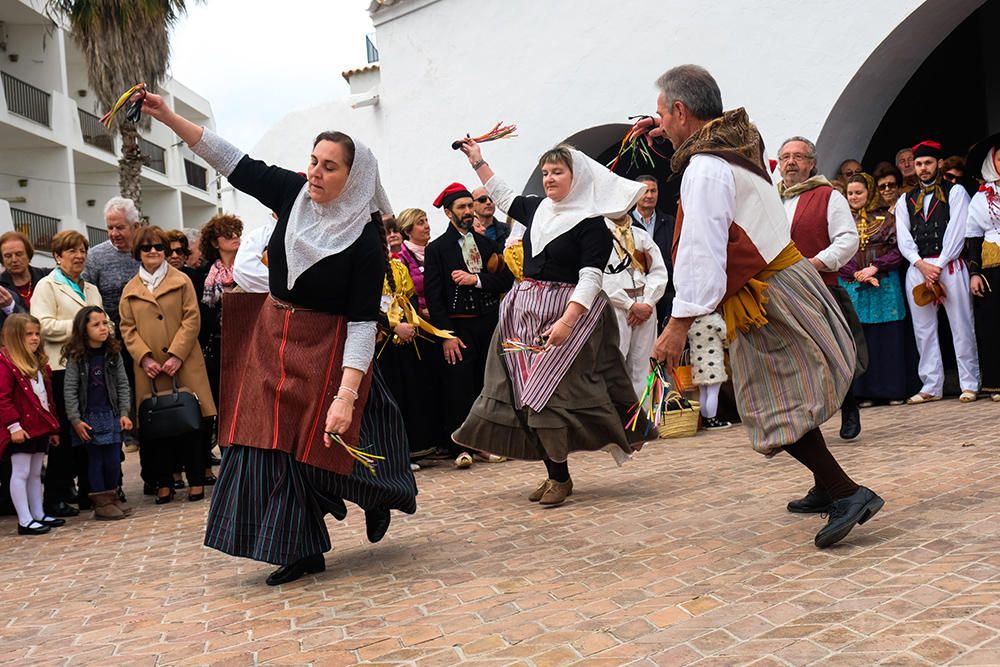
{"points": [[309, 422], [574, 394]]}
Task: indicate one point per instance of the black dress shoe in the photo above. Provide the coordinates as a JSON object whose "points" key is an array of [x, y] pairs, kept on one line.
{"points": [[286, 573], [163, 500], [816, 501], [61, 508], [376, 524], [857, 508], [214, 460], [33, 528], [210, 480], [52, 522], [179, 484], [850, 422]]}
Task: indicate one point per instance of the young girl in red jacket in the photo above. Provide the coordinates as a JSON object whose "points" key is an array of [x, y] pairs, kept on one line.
{"points": [[28, 424]]}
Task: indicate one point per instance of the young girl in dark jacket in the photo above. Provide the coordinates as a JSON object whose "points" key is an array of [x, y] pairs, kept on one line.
{"points": [[97, 404], [28, 418]]}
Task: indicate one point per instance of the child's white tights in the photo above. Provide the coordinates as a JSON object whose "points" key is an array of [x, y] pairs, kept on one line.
{"points": [[708, 396], [26, 486]]}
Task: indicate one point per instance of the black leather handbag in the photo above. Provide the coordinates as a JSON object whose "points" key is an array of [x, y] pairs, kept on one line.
{"points": [[169, 414]]}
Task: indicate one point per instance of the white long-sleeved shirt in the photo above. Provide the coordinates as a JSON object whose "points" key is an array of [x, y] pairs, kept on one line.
{"points": [[654, 282], [249, 271], [978, 223], [841, 228], [954, 234]]}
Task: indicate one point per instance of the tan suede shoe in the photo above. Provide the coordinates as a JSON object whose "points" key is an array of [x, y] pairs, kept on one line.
{"points": [[540, 491], [556, 493]]}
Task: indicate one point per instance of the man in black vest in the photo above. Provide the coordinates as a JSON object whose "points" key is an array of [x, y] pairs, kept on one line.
{"points": [[464, 277], [930, 232], [660, 226]]}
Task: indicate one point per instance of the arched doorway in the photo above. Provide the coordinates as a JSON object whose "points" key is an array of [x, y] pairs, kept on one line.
{"points": [[916, 84], [602, 143]]}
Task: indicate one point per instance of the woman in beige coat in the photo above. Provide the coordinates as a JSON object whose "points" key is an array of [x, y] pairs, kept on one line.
{"points": [[160, 323], [56, 300]]}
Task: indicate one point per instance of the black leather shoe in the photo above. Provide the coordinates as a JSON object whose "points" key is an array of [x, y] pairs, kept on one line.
{"points": [[210, 480], [214, 460], [163, 500], [52, 522], [286, 573], [816, 501], [850, 422], [857, 508], [376, 524], [33, 528], [62, 509], [179, 484]]}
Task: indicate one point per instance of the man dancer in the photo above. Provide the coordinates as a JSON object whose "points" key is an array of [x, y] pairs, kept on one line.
{"points": [[634, 281], [793, 363], [823, 230], [930, 232], [464, 277], [484, 209], [660, 226]]}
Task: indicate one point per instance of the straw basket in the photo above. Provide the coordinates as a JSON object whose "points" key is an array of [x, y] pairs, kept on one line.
{"points": [[679, 421]]}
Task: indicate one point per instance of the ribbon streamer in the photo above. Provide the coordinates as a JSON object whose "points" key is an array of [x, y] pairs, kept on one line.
{"points": [[131, 99], [655, 398], [366, 459], [499, 131]]}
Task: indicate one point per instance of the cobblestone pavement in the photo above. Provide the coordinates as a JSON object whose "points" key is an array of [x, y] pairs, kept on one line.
{"points": [[684, 556]]}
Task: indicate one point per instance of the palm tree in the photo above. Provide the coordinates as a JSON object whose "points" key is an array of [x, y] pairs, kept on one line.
{"points": [[124, 42]]}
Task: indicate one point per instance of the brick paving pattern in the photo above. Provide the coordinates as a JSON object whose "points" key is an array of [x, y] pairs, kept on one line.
{"points": [[684, 556]]}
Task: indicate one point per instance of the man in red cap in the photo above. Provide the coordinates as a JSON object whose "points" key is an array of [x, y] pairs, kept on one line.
{"points": [[930, 232], [464, 278]]}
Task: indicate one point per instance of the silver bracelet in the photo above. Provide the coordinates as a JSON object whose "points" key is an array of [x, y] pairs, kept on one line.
{"points": [[353, 392]]}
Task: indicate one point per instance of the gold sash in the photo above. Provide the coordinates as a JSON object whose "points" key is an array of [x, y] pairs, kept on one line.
{"points": [[400, 308], [513, 256], [991, 255], [745, 309]]}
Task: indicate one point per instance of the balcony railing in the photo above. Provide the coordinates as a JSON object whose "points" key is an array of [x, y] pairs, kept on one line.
{"points": [[94, 133], [371, 49], [155, 155], [26, 100], [197, 176], [96, 235], [37, 227]]}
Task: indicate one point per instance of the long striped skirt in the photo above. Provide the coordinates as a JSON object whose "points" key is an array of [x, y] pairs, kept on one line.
{"points": [[568, 399], [792, 374], [269, 507]]}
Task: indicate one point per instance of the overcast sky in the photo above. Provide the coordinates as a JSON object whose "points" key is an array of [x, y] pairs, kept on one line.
{"points": [[255, 60]]}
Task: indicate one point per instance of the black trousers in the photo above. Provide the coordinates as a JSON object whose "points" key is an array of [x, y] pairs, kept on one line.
{"points": [[187, 450], [463, 381], [66, 463]]}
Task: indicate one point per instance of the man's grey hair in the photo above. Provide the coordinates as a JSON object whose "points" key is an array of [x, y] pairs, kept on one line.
{"points": [[809, 145], [193, 235], [646, 178], [695, 88], [125, 206]]}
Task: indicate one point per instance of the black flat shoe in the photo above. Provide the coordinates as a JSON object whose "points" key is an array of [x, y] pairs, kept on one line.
{"points": [[210, 480], [195, 497], [845, 513], [179, 484], [816, 501], [62, 509], [33, 528], [309, 565], [52, 522], [214, 460], [163, 500], [850, 423], [376, 524]]}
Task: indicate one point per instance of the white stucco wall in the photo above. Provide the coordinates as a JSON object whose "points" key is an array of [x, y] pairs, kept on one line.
{"points": [[561, 66]]}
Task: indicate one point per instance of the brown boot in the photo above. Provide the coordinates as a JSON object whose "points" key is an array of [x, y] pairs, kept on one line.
{"points": [[122, 506], [556, 492], [104, 506], [540, 491]]}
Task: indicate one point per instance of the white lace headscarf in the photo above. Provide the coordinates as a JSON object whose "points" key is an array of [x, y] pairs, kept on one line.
{"points": [[317, 231], [595, 192]]}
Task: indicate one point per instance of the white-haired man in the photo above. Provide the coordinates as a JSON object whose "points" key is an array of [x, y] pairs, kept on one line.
{"points": [[110, 264]]}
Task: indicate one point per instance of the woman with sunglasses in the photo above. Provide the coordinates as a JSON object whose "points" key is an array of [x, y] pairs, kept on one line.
{"points": [[160, 320]]}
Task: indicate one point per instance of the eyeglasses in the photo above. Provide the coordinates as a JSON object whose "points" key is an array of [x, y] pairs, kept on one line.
{"points": [[149, 247], [887, 186], [484, 199], [177, 251]]}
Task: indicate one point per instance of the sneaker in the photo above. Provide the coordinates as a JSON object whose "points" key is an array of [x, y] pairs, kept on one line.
{"points": [[714, 423], [463, 461], [414, 467]]}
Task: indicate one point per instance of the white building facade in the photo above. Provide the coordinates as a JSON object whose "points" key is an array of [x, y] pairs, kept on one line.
{"points": [[575, 70], [58, 164]]}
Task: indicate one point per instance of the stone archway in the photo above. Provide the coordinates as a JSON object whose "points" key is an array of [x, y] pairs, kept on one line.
{"points": [[859, 110]]}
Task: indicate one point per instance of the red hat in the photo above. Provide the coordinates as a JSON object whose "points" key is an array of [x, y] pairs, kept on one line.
{"points": [[450, 194], [927, 148]]}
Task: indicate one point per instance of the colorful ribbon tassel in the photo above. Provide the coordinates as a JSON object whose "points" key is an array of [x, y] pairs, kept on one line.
{"points": [[366, 459], [131, 100], [499, 131]]}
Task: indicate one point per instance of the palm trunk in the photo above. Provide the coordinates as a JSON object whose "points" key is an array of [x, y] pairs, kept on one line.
{"points": [[130, 165]]}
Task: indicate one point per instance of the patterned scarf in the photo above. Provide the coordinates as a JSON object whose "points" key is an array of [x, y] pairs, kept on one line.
{"points": [[788, 191], [470, 252], [219, 280], [732, 137], [622, 231], [933, 188]]}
